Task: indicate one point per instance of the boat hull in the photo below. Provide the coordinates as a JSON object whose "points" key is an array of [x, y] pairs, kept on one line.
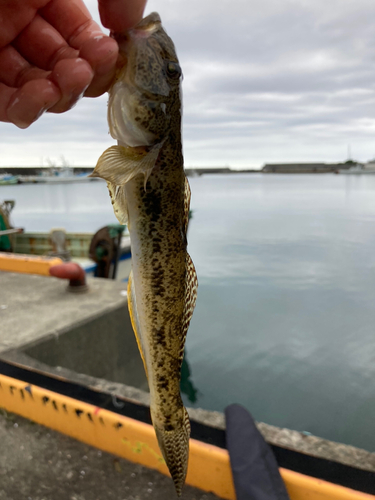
{"points": [[77, 244]]}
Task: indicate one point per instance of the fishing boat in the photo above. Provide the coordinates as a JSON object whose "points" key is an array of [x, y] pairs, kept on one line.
{"points": [[360, 169], [8, 179], [104, 254]]}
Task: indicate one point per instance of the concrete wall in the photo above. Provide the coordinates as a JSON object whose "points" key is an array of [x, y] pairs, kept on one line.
{"points": [[104, 347]]}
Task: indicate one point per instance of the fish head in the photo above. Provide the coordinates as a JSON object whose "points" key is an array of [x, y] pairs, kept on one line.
{"points": [[145, 99]]}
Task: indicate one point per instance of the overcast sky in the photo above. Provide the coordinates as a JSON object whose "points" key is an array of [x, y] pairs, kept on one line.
{"points": [[264, 81]]}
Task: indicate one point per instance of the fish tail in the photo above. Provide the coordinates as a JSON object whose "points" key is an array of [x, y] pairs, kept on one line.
{"points": [[174, 446]]}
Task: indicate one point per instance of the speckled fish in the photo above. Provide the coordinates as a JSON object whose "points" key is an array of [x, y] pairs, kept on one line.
{"points": [[149, 192]]}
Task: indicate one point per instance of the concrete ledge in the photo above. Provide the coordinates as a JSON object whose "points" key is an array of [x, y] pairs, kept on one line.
{"points": [[34, 307], [285, 438], [39, 318]]}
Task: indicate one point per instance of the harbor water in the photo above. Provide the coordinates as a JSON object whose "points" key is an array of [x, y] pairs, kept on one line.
{"points": [[285, 317]]}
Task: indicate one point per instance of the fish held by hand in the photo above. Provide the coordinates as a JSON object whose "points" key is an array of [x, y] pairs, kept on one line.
{"points": [[149, 192]]}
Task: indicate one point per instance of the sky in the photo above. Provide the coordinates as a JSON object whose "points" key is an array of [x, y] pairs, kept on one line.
{"points": [[264, 82]]}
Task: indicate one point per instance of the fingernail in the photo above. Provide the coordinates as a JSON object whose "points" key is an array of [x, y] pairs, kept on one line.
{"points": [[13, 115]]}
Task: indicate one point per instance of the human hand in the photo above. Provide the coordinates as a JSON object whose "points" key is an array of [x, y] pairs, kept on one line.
{"points": [[52, 53]]}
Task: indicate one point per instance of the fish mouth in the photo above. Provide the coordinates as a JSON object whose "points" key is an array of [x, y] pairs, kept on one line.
{"points": [[143, 29], [150, 23]]}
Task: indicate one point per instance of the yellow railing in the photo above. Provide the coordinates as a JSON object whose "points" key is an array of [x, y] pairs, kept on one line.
{"points": [[209, 466], [18, 263]]}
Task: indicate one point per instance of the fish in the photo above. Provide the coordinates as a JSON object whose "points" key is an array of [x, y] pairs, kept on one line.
{"points": [[151, 194]]}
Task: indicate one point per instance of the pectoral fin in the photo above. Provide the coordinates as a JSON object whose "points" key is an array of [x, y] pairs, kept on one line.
{"points": [[119, 164], [132, 304]]}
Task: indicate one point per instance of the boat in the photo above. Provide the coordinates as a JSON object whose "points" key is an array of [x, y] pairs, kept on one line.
{"points": [[104, 254], [58, 179], [57, 175], [76, 248], [369, 167], [8, 179], [359, 169]]}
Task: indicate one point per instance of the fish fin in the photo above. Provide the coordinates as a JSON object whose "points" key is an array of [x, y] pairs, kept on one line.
{"points": [[174, 446], [132, 305], [119, 164], [187, 197], [118, 199], [190, 300]]}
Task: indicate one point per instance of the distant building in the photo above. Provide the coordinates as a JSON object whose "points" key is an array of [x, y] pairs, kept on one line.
{"points": [[304, 168]]}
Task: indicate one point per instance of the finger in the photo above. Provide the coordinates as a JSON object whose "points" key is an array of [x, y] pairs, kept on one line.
{"points": [[15, 71], [15, 15], [72, 76], [71, 19], [120, 15], [27, 104], [6, 94], [40, 44], [74, 23], [102, 56]]}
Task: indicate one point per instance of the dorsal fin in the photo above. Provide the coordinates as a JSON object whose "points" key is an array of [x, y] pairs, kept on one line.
{"points": [[132, 304], [191, 291], [190, 278], [187, 197]]}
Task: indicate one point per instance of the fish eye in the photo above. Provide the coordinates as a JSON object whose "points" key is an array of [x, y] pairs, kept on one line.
{"points": [[173, 70]]}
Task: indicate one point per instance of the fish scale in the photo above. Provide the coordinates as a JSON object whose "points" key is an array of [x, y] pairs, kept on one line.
{"points": [[149, 191]]}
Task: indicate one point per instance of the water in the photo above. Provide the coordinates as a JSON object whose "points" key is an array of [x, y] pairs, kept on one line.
{"points": [[77, 207], [285, 318]]}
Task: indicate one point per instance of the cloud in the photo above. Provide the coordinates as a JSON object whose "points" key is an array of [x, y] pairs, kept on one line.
{"points": [[263, 81]]}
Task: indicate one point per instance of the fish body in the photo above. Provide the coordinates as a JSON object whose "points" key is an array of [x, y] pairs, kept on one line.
{"points": [[150, 193]]}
